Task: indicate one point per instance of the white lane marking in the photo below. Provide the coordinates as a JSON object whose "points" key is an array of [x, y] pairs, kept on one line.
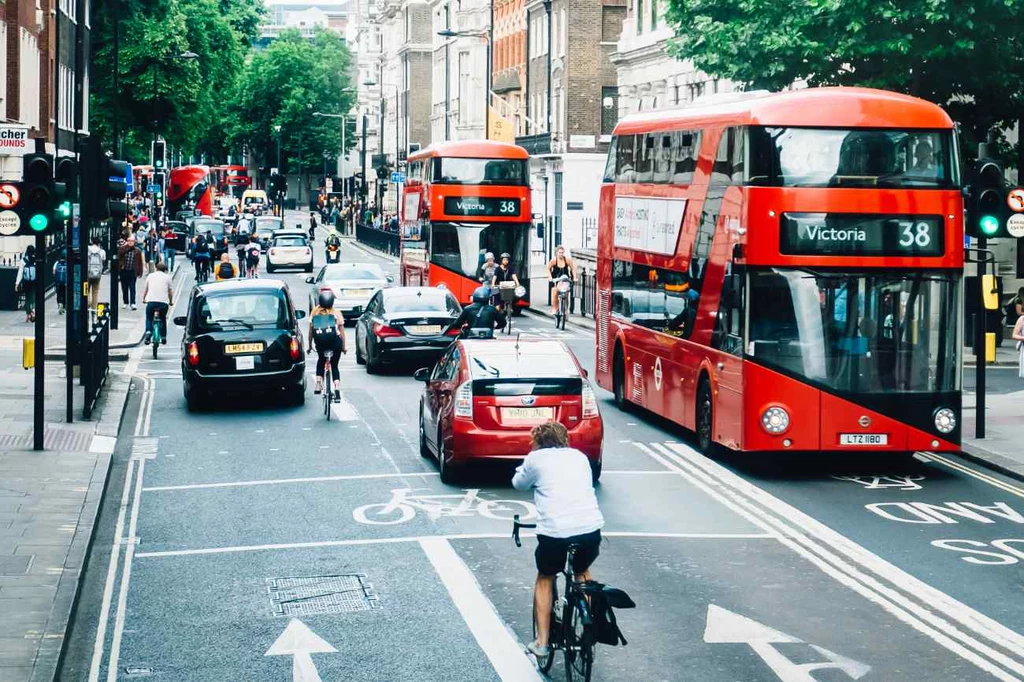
{"points": [[343, 411], [102, 445], [108, 588], [147, 396], [725, 627], [803, 536], [299, 641], [122, 597], [496, 640], [971, 471], [417, 538]]}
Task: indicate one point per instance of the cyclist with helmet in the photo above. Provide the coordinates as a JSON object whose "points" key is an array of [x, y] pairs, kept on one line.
{"points": [[480, 315], [327, 333], [505, 272]]}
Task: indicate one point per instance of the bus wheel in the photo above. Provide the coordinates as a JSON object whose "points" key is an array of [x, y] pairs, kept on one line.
{"points": [[705, 417], [619, 381]]}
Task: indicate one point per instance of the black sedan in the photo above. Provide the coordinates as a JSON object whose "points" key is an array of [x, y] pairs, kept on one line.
{"points": [[217, 229], [240, 336], [406, 324]]}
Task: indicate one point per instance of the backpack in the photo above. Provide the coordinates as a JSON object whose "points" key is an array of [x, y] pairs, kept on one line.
{"points": [[603, 601], [202, 246], [95, 264], [60, 273], [28, 273], [225, 271]]}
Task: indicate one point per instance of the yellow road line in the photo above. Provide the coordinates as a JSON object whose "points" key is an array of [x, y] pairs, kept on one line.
{"points": [[970, 471]]}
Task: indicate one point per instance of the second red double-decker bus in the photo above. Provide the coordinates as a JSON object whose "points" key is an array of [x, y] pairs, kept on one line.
{"points": [[462, 200], [783, 272], [190, 189], [231, 180]]}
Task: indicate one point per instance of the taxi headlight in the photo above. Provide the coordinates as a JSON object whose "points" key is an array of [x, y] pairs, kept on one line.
{"points": [[945, 420], [775, 420]]}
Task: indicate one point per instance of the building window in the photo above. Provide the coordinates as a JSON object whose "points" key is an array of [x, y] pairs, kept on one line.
{"points": [[609, 113], [639, 17], [654, 15], [694, 90], [3, 71]]}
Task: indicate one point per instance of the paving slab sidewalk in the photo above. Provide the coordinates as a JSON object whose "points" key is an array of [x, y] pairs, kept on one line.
{"points": [[49, 500]]}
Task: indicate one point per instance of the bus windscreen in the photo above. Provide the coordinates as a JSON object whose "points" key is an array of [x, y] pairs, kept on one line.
{"points": [[463, 171]]}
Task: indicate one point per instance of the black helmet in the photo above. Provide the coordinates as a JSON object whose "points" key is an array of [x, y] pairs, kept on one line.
{"points": [[325, 299], [481, 295], [506, 255]]}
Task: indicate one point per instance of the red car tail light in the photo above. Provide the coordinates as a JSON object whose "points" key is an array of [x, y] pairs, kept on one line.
{"points": [[454, 331], [193, 354], [589, 402], [295, 348], [382, 331], [464, 400]]}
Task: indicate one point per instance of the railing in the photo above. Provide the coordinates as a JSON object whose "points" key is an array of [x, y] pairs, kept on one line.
{"points": [[388, 242], [95, 362], [588, 292]]}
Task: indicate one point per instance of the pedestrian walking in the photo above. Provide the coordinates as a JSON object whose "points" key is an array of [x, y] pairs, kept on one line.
{"points": [[60, 282], [129, 260], [95, 264], [25, 282], [152, 250], [170, 252]]}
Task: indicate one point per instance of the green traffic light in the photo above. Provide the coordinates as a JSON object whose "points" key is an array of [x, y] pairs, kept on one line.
{"points": [[64, 210], [989, 225], [38, 222]]}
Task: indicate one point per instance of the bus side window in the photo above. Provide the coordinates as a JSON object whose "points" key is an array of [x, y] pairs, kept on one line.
{"points": [[729, 161], [609, 164], [625, 170], [662, 157], [685, 145], [727, 334], [645, 157]]}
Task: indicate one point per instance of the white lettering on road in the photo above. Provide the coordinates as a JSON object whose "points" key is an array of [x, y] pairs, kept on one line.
{"points": [[923, 512], [725, 627], [299, 641], [884, 482], [1010, 554]]}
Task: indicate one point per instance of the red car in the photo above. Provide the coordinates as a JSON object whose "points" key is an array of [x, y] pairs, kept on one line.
{"points": [[483, 396]]}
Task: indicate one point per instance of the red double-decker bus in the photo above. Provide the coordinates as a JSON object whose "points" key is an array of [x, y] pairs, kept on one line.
{"points": [[231, 180], [190, 188], [460, 201], [783, 272]]}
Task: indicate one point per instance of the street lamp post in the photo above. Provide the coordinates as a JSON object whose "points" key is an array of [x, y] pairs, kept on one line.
{"points": [[398, 123], [187, 55], [488, 38]]}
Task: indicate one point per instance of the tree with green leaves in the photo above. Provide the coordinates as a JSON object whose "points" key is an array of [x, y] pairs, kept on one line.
{"points": [[963, 56], [283, 85]]}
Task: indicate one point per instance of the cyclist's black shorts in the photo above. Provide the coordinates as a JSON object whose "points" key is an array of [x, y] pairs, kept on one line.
{"points": [[551, 552]]}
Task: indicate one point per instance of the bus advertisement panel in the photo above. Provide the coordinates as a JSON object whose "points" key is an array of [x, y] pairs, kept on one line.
{"points": [[190, 189], [462, 200], [783, 272]]}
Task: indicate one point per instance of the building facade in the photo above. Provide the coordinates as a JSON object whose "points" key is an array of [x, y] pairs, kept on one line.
{"points": [[508, 78], [459, 87]]}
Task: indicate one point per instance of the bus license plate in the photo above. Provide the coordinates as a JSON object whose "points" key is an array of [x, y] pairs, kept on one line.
{"points": [[864, 439], [245, 362], [527, 414]]}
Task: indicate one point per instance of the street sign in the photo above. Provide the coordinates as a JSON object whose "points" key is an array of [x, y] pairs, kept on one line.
{"points": [[329, 185], [1015, 200], [9, 195], [1015, 225], [152, 189], [129, 180], [14, 140], [10, 223], [397, 176]]}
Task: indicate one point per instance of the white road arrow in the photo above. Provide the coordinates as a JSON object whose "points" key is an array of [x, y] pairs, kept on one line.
{"points": [[725, 627], [299, 641]]}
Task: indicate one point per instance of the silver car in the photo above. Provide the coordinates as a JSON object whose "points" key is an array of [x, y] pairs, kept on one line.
{"points": [[352, 283]]}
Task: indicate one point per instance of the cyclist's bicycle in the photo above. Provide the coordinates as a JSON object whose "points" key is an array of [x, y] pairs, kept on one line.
{"points": [[509, 293], [571, 619], [563, 285], [157, 336], [328, 384], [202, 270]]}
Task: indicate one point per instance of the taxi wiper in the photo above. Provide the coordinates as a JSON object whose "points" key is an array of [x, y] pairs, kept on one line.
{"points": [[235, 320]]}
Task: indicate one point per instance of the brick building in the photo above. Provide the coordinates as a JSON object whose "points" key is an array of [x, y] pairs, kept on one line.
{"points": [[509, 62], [569, 75]]}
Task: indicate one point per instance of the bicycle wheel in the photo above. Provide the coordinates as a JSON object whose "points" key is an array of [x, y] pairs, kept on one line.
{"points": [[579, 645], [505, 510], [156, 337]]}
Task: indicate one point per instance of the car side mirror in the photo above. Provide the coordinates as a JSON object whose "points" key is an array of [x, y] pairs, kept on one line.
{"points": [[357, 310], [586, 374], [390, 279], [180, 320], [422, 374], [299, 313], [310, 280]]}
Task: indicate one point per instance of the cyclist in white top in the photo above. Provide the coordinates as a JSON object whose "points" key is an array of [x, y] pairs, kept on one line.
{"points": [[568, 514], [158, 294]]}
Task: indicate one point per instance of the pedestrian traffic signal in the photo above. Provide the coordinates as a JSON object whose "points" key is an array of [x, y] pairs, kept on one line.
{"points": [[987, 211]]}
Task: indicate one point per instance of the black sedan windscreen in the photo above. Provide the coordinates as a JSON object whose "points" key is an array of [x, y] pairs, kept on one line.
{"points": [[214, 226], [241, 310], [422, 301]]}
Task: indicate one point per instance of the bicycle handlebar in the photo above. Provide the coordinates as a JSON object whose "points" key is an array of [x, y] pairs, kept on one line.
{"points": [[516, 525]]}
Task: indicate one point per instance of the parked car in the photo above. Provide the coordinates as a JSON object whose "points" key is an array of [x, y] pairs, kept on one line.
{"points": [[239, 336], [406, 324], [289, 251], [351, 283], [482, 398]]}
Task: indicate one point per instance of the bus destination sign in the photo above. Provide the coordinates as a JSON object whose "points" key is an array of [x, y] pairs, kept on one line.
{"points": [[855, 234], [487, 206]]}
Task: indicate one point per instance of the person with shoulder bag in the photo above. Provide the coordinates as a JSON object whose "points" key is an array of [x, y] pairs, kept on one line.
{"points": [[25, 282], [95, 264], [60, 282]]}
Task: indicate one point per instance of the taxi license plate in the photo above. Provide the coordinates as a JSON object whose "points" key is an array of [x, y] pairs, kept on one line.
{"points": [[245, 362], [237, 348], [863, 439], [355, 292], [423, 329], [527, 414]]}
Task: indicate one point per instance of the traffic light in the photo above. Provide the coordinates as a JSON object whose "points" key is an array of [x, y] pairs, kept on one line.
{"points": [[159, 179], [159, 155], [116, 173], [37, 194], [987, 211], [65, 188]]}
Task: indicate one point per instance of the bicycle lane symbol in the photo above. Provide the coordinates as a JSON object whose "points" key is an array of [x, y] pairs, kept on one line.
{"points": [[404, 504]]}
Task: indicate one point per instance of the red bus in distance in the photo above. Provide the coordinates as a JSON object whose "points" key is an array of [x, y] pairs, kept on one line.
{"points": [[190, 189], [783, 272], [231, 180], [460, 201]]}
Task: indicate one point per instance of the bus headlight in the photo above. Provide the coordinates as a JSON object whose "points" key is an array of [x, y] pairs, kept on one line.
{"points": [[775, 420], [945, 420]]}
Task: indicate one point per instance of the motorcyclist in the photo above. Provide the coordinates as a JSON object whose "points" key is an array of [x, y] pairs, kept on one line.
{"points": [[332, 242], [480, 318]]}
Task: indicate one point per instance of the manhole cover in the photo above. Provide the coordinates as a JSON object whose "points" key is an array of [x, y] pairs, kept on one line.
{"points": [[309, 596]]}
